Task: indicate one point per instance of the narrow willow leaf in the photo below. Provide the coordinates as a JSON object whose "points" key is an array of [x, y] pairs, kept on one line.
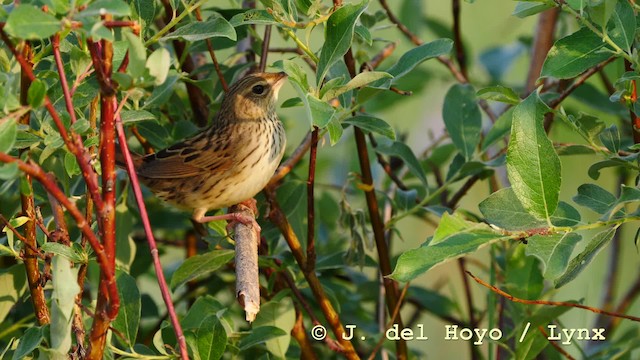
{"points": [[158, 65], [580, 262], [372, 124], [319, 111], [218, 27], [137, 55], [573, 54], [8, 134], [36, 93], [415, 262], [462, 118], [335, 131], [130, 309], [131, 116], [63, 250], [404, 152], [595, 198], [65, 289], [554, 251], [13, 284], [260, 335], [30, 23], [200, 265], [624, 26], [533, 167], [338, 36], [211, 338], [28, 342], [499, 93], [359, 80], [414, 57], [103, 7], [500, 129], [253, 16]]}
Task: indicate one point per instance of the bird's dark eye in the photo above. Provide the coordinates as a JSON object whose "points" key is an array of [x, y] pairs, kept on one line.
{"points": [[258, 89]]}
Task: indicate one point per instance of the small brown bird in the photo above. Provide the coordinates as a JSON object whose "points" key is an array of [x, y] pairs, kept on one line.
{"points": [[230, 161]]}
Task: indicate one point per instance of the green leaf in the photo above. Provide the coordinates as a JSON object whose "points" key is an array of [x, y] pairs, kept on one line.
{"points": [[338, 36], [319, 111], [292, 102], [610, 138], [71, 164], [600, 11], [414, 57], [63, 299], [595, 198], [81, 126], [204, 305], [137, 55], [463, 241], [580, 262], [462, 118], [132, 116], [280, 314], [128, 317], [161, 94], [502, 208], [359, 80], [9, 171], [554, 251], [211, 338], [499, 93], [116, 8], [252, 16], [624, 26], [335, 131], [260, 335], [372, 124], [36, 93], [31, 339], [533, 167], [500, 129], [63, 250], [401, 150], [527, 8], [30, 23], [13, 285], [573, 54], [158, 65], [200, 265], [8, 134], [218, 27]]}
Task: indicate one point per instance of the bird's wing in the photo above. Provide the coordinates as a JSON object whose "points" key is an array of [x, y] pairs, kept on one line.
{"points": [[192, 157]]}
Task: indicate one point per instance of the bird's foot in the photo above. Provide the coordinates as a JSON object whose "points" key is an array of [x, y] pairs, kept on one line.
{"points": [[232, 218]]}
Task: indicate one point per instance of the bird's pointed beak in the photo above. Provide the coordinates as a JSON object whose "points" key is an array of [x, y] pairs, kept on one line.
{"points": [[277, 81]]}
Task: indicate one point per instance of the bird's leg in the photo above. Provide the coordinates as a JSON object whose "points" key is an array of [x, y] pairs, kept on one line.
{"points": [[232, 217]]}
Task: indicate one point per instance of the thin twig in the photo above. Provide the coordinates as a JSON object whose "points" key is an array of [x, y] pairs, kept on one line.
{"points": [[551, 303], [291, 161], [266, 39], [396, 311], [212, 53], [556, 346], [460, 53], [311, 244]]}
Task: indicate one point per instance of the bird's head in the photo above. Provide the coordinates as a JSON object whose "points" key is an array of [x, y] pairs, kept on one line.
{"points": [[254, 96]]}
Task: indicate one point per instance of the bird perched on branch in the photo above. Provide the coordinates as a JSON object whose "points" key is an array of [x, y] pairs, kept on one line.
{"points": [[227, 163]]}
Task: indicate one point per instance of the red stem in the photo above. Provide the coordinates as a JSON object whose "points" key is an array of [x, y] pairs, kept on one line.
{"points": [[74, 145], [48, 182], [164, 289]]}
